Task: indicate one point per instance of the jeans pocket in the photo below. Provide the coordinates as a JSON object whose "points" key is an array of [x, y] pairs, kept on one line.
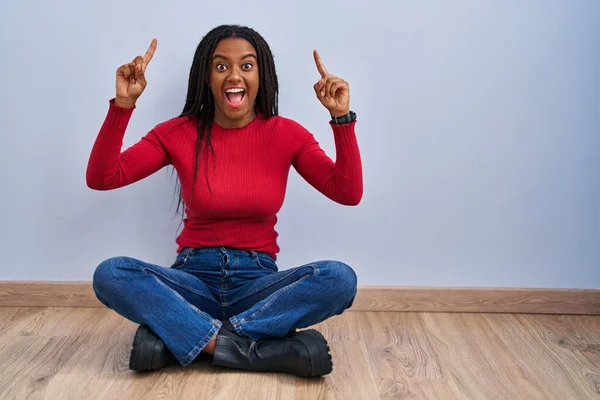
{"points": [[181, 259], [179, 262], [264, 261]]}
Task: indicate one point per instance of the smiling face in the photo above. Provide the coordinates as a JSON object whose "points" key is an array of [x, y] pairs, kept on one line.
{"points": [[234, 82]]}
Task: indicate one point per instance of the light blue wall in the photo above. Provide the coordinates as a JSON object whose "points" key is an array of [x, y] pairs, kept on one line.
{"points": [[479, 129]]}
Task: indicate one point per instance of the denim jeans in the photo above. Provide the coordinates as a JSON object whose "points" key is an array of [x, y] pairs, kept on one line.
{"points": [[186, 303]]}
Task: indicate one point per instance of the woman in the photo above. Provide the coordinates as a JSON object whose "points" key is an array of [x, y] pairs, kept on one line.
{"points": [[225, 295]]}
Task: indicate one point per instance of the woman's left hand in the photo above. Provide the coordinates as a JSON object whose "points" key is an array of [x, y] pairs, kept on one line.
{"points": [[332, 92]]}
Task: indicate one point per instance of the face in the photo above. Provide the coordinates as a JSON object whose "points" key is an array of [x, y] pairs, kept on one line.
{"points": [[234, 82]]}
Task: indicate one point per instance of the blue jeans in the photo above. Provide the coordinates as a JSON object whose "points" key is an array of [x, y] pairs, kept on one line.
{"points": [[186, 303]]}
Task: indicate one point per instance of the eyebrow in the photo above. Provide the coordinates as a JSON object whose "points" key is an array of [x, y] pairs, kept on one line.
{"points": [[225, 58]]}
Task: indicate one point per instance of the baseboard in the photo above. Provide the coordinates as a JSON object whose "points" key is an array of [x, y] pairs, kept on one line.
{"points": [[369, 298], [47, 294], [481, 300]]}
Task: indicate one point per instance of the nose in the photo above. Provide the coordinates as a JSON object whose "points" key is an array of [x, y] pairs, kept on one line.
{"points": [[234, 76]]}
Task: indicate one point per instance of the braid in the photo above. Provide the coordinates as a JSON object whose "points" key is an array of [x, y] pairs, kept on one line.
{"points": [[200, 103]]}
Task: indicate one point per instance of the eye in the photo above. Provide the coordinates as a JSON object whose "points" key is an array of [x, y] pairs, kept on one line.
{"points": [[247, 66], [221, 67]]}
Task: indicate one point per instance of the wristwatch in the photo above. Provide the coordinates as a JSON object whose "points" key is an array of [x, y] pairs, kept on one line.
{"points": [[344, 119]]}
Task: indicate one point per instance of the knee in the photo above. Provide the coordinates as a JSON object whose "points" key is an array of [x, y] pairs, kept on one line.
{"points": [[106, 272], [344, 280]]}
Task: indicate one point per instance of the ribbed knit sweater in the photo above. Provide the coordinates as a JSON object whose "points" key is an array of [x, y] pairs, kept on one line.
{"points": [[247, 175]]}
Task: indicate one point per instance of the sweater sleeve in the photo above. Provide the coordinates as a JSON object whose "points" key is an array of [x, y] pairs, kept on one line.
{"points": [[342, 180], [108, 167]]}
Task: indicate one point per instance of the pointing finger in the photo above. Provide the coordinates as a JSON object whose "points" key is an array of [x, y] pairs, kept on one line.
{"points": [[150, 53], [320, 67]]}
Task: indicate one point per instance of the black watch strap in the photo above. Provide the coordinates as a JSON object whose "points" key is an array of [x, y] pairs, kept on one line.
{"points": [[344, 119]]}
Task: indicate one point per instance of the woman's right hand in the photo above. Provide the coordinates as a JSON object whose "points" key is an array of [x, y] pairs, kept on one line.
{"points": [[131, 78]]}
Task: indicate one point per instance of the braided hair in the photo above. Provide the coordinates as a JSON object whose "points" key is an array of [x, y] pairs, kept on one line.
{"points": [[200, 102]]}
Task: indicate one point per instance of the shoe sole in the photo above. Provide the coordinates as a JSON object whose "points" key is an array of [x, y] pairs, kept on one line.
{"points": [[319, 351], [142, 350]]}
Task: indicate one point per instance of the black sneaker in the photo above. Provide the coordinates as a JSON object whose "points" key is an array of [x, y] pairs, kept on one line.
{"points": [[148, 352], [302, 353]]}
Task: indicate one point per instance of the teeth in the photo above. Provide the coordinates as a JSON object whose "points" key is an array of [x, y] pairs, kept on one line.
{"points": [[234, 90]]}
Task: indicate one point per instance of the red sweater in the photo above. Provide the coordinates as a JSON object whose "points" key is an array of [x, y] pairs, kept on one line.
{"points": [[248, 174]]}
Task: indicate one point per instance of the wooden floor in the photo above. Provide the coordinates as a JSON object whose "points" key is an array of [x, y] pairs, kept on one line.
{"points": [[82, 353]]}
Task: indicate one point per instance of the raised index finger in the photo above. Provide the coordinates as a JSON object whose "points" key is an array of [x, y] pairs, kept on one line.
{"points": [[150, 53], [320, 66]]}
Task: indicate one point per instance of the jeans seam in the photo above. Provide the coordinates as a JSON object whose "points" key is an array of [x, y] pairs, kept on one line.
{"points": [[276, 296], [200, 346], [238, 327], [177, 283], [201, 314]]}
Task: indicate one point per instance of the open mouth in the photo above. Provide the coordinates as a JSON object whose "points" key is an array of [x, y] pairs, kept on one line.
{"points": [[235, 97]]}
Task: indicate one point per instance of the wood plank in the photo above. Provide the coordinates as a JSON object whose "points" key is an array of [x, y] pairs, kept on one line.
{"points": [[107, 347], [24, 322], [6, 315], [350, 363], [475, 361], [29, 363], [369, 298], [352, 377], [82, 386], [581, 371], [531, 362], [404, 363], [342, 327]]}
